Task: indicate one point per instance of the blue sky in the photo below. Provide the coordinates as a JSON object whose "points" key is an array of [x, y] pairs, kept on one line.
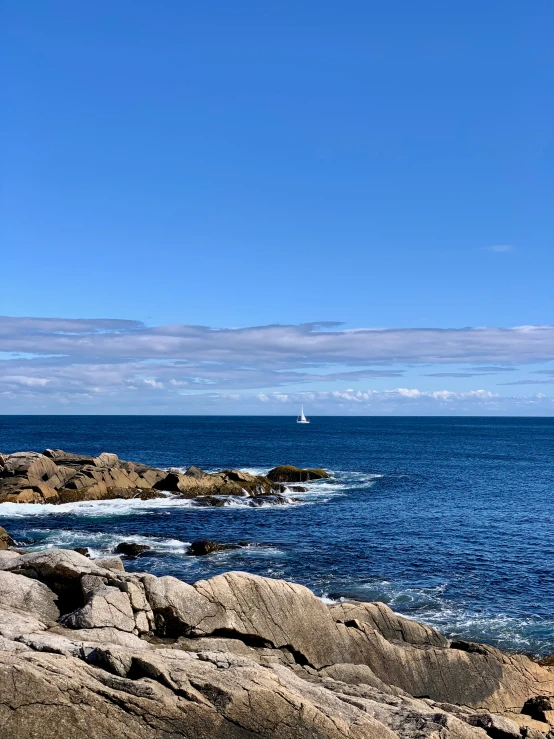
{"points": [[235, 165]]}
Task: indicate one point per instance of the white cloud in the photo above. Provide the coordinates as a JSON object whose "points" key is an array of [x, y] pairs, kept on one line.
{"points": [[22, 380], [288, 347], [120, 363], [153, 384]]}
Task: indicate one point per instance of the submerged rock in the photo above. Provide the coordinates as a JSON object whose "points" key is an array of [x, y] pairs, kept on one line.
{"points": [[205, 546], [131, 548], [210, 501]]}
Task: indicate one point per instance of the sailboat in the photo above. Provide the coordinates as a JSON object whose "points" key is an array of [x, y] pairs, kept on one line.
{"points": [[302, 418]]}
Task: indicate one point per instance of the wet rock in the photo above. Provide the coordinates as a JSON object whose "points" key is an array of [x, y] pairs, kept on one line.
{"points": [[131, 548], [148, 494], [298, 489], [288, 473], [205, 546], [5, 539], [82, 550], [270, 499], [210, 501]]}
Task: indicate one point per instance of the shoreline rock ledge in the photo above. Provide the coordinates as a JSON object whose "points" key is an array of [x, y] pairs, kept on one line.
{"points": [[56, 476], [88, 649]]}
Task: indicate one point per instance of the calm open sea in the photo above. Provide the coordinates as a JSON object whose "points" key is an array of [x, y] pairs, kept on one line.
{"points": [[448, 520]]}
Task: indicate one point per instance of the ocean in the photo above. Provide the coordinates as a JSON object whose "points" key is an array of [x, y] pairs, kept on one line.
{"points": [[447, 520]]}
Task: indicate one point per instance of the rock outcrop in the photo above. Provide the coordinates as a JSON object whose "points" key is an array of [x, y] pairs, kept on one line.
{"points": [[131, 548], [288, 473], [87, 649], [204, 546], [5, 539], [57, 476]]}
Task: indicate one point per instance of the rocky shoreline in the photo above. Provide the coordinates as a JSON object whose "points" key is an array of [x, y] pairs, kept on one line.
{"points": [[57, 477], [87, 649]]}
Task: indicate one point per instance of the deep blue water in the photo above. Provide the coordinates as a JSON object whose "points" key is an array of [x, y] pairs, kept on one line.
{"points": [[448, 520]]}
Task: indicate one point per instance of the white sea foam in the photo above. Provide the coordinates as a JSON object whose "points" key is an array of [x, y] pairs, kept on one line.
{"points": [[96, 508], [431, 606], [101, 543], [330, 601], [318, 491]]}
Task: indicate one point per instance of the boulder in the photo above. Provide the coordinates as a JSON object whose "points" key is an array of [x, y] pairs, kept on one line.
{"points": [[36, 467], [8, 558], [240, 656], [178, 695], [106, 459], [288, 473], [265, 611], [57, 566], [19, 489], [58, 476], [229, 482], [195, 472], [239, 476], [131, 548], [62, 458], [176, 606], [28, 595], [61, 570], [5, 539], [496, 726], [110, 563], [62, 476], [105, 607], [205, 546], [174, 482], [82, 550], [391, 626]]}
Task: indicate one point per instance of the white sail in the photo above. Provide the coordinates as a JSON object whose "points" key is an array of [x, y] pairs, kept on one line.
{"points": [[302, 418]]}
